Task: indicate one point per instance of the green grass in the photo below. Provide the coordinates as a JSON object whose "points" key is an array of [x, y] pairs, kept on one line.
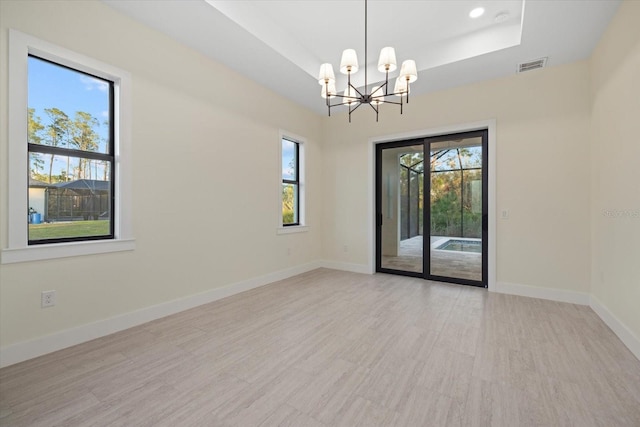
{"points": [[56, 230]]}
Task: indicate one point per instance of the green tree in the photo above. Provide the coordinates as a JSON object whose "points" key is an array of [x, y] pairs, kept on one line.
{"points": [[35, 128], [57, 132], [454, 206], [34, 131], [288, 204], [84, 137]]}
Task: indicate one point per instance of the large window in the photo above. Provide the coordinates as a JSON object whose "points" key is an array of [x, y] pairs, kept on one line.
{"points": [[71, 162], [69, 154], [290, 182]]}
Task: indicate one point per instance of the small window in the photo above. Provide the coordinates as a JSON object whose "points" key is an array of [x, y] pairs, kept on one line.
{"points": [[71, 162], [290, 182]]}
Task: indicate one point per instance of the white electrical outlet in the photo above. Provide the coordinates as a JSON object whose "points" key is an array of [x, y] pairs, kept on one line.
{"points": [[48, 298]]}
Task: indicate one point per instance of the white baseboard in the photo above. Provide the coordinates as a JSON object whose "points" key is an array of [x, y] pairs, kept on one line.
{"points": [[19, 352], [559, 295], [620, 329], [22, 351], [345, 266]]}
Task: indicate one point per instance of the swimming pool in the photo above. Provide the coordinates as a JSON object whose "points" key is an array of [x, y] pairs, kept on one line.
{"points": [[461, 245]]}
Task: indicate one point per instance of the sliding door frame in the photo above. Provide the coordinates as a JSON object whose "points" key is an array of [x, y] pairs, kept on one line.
{"points": [[426, 252], [378, 202], [489, 188]]}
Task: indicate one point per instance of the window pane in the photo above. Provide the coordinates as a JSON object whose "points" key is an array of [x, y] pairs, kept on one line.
{"points": [[289, 204], [289, 161], [472, 203], [443, 160], [471, 156], [68, 108], [70, 204], [53, 169]]}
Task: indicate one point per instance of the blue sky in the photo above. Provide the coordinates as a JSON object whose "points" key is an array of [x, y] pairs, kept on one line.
{"points": [[52, 86], [288, 154]]}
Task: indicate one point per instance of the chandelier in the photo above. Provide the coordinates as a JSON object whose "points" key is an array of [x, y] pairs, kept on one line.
{"points": [[352, 96]]}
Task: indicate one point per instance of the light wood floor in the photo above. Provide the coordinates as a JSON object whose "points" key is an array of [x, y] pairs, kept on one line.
{"points": [[330, 348]]}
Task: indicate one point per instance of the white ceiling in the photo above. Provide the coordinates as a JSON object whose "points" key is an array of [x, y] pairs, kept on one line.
{"points": [[281, 43]]}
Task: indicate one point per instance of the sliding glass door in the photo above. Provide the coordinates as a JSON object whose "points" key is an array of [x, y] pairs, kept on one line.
{"points": [[431, 207], [457, 208], [401, 208]]}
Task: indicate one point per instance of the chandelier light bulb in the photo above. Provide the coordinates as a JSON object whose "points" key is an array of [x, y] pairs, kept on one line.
{"points": [[400, 88], [349, 61], [350, 95], [332, 90], [377, 95], [387, 60], [409, 71], [326, 74]]}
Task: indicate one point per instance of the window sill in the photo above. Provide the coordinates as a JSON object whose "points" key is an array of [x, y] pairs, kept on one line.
{"points": [[292, 229], [64, 250]]}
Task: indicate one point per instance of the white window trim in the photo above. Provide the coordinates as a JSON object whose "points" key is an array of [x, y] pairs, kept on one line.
{"points": [[302, 219], [18, 250]]}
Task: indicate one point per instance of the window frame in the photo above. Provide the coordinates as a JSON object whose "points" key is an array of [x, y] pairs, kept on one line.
{"points": [[301, 224], [16, 247], [81, 154], [295, 182]]}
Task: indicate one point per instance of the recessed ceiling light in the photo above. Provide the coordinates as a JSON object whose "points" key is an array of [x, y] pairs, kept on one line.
{"points": [[501, 17], [477, 12]]}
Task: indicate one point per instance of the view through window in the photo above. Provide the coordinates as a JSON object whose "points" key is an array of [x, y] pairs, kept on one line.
{"points": [[71, 154], [290, 182]]}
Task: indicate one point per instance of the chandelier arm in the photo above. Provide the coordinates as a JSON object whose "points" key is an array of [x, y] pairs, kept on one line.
{"points": [[339, 104], [356, 107], [353, 98], [356, 89], [326, 92], [346, 103], [375, 108], [386, 81], [385, 86], [351, 110]]}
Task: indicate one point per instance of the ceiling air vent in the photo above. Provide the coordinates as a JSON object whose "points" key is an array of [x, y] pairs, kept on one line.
{"points": [[532, 65]]}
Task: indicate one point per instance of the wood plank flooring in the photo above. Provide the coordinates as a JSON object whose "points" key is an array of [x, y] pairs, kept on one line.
{"points": [[330, 348]]}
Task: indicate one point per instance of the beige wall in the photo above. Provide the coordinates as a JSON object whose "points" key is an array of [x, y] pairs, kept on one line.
{"points": [[542, 171], [205, 177], [615, 183]]}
